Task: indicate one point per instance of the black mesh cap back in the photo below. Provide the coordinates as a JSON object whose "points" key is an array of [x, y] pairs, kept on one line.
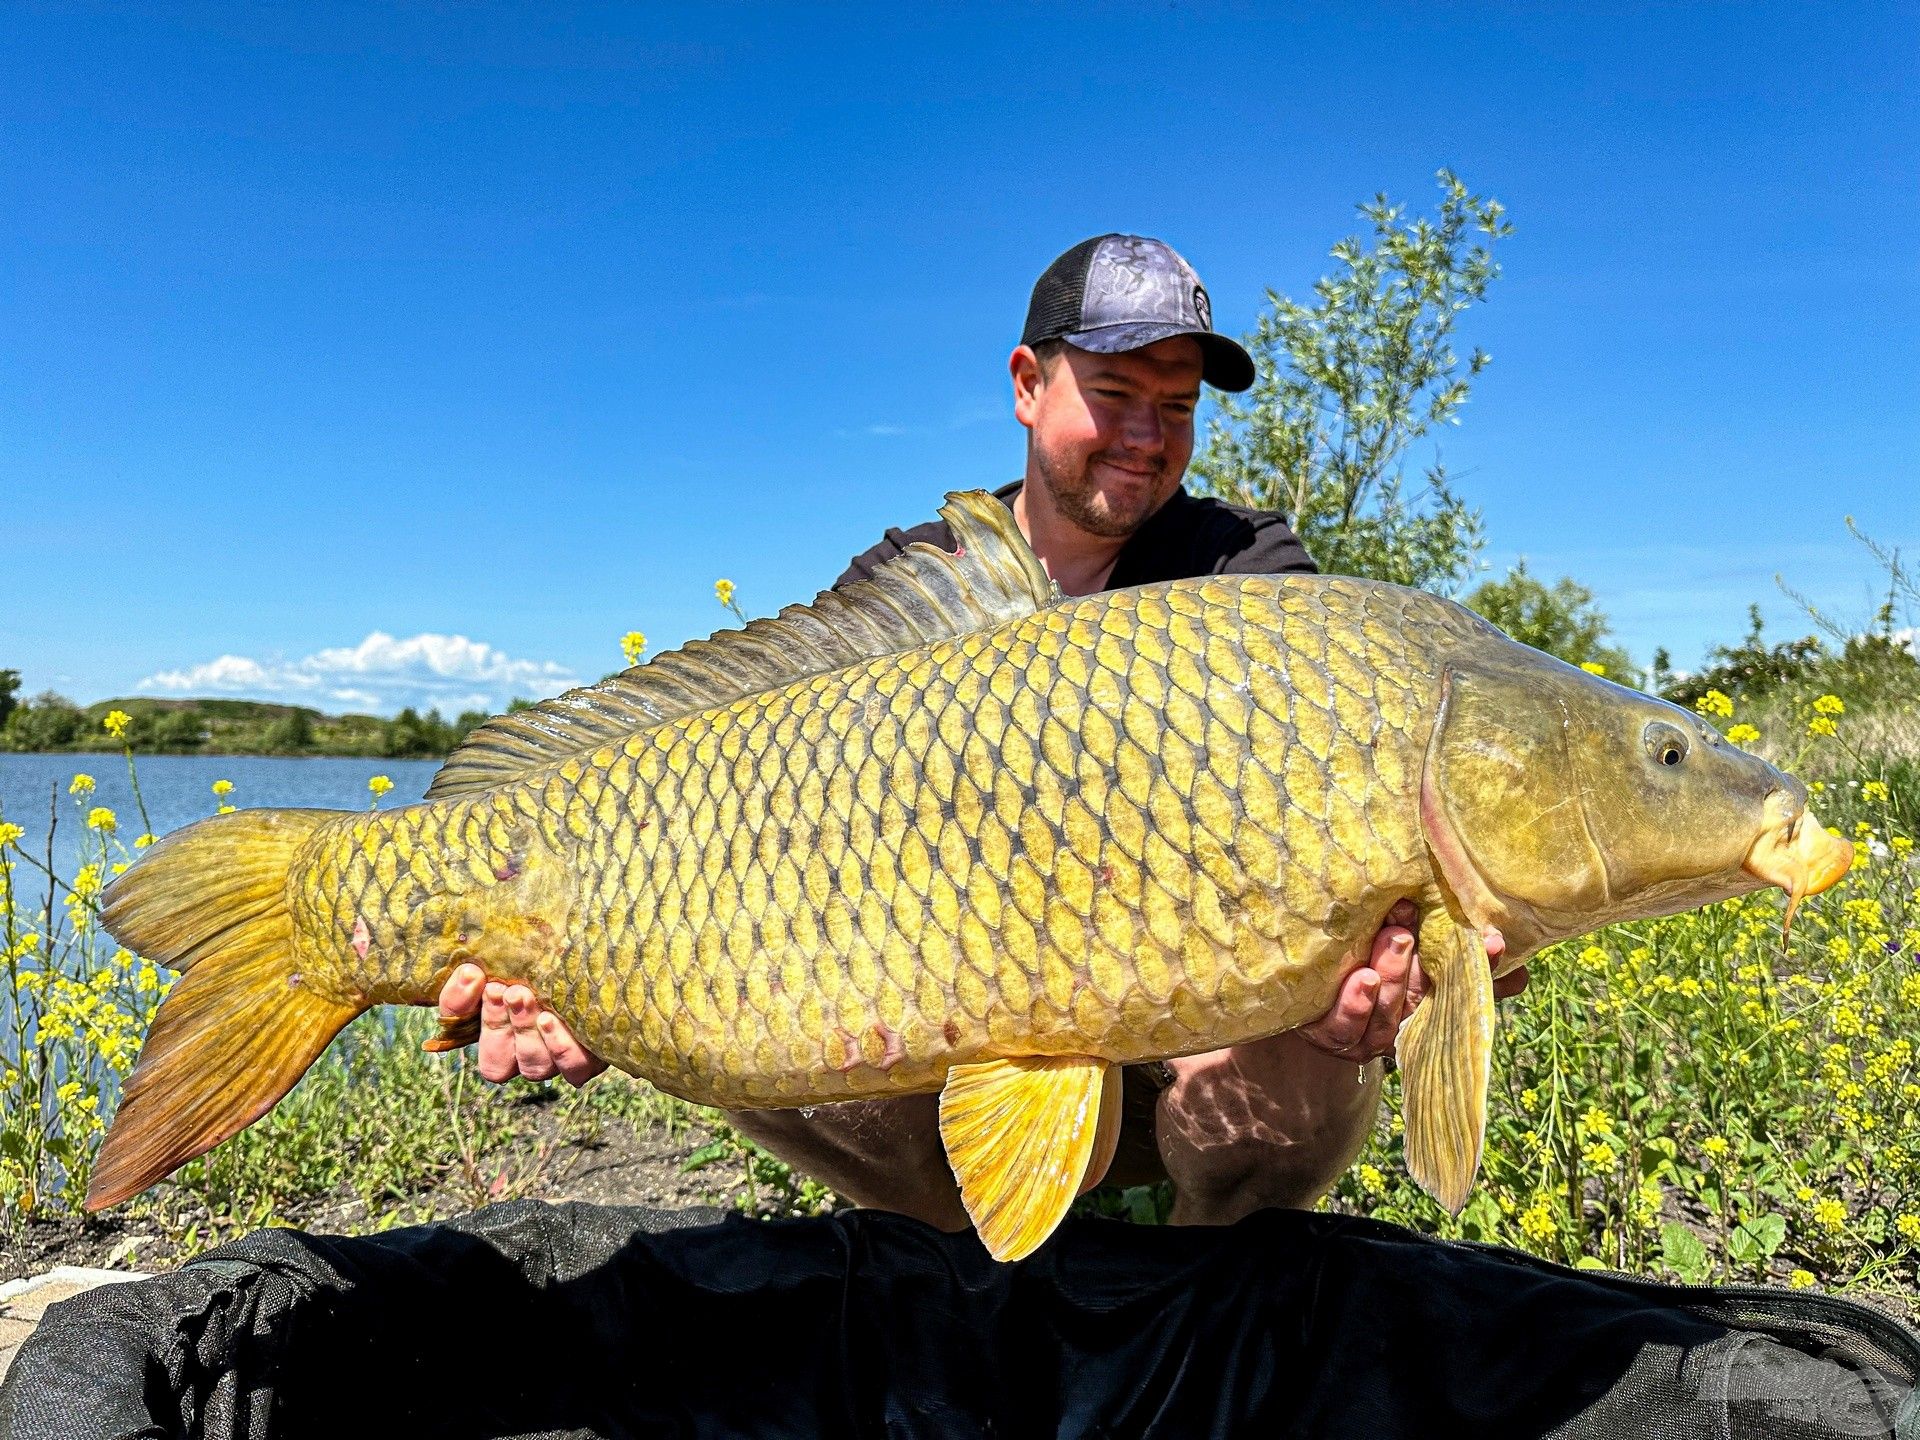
{"points": [[1060, 294]]}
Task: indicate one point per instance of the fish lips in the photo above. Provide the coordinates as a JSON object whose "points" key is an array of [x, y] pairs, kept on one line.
{"points": [[1796, 852]]}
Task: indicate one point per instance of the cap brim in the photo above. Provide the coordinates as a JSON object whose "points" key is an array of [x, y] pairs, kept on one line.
{"points": [[1223, 364]]}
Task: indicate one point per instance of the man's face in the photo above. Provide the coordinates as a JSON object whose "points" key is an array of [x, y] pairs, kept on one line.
{"points": [[1109, 435]]}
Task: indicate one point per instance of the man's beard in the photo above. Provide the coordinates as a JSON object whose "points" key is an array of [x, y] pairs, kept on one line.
{"points": [[1081, 501]]}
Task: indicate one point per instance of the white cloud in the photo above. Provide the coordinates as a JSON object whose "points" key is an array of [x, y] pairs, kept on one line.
{"points": [[382, 674]]}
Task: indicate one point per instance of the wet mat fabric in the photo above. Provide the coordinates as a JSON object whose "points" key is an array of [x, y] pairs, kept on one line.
{"points": [[530, 1320]]}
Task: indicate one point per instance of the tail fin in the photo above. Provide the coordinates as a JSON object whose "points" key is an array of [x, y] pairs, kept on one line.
{"points": [[238, 1030]]}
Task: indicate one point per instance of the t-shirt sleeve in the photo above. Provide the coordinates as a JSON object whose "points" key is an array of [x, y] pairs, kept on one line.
{"points": [[1266, 545], [934, 532]]}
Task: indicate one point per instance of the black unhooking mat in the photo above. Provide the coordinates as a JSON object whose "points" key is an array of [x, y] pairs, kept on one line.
{"points": [[532, 1320]]}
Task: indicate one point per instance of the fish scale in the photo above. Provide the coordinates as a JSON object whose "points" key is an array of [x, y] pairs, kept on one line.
{"points": [[945, 830], [1101, 828]]}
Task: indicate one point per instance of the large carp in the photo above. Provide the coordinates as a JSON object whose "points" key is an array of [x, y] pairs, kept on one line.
{"points": [[945, 830]]}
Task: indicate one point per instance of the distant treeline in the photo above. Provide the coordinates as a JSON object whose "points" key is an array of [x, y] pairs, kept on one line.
{"points": [[222, 727]]}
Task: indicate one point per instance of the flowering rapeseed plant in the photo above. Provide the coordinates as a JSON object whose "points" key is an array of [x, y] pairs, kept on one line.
{"points": [[633, 645]]}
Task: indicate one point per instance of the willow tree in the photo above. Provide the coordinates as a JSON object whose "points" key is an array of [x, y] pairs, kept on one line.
{"points": [[1348, 382]]}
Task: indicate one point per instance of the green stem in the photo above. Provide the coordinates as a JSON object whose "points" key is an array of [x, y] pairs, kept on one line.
{"points": [[146, 825]]}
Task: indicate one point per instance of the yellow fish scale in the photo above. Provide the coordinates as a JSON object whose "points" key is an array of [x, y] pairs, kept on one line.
{"points": [[1131, 825]]}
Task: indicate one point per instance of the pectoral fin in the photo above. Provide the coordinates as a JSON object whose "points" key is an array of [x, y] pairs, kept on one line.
{"points": [[1024, 1136], [1446, 1051]]}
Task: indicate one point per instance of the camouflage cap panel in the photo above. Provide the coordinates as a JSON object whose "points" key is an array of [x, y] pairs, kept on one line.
{"points": [[1131, 277]]}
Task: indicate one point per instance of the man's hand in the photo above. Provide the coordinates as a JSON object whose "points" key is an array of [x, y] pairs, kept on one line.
{"points": [[517, 1035], [1378, 997]]}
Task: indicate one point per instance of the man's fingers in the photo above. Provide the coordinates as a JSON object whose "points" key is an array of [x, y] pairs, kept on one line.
{"points": [[1416, 984], [529, 1046], [1342, 1029], [460, 996], [496, 1058], [1394, 960], [574, 1061]]}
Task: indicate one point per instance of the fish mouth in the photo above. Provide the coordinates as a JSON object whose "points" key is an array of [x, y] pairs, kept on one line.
{"points": [[1796, 852]]}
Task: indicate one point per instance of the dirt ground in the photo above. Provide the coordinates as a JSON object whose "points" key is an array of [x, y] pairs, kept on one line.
{"points": [[621, 1165]]}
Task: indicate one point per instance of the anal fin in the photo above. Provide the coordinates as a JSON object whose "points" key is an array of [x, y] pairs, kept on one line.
{"points": [[1025, 1136], [1446, 1053], [454, 1034]]}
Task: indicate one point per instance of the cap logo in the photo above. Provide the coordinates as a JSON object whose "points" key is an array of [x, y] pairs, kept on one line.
{"points": [[1202, 308]]}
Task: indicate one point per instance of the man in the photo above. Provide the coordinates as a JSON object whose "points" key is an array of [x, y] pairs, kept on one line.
{"points": [[1106, 380]]}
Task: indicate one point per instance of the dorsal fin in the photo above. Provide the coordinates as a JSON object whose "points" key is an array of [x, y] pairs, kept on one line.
{"points": [[921, 595]]}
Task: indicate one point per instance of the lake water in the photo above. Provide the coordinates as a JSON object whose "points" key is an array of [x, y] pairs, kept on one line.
{"points": [[179, 789]]}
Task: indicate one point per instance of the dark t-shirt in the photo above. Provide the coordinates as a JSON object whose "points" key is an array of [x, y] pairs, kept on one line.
{"points": [[1190, 535]]}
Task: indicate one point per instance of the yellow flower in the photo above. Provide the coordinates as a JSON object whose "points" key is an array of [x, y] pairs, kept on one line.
{"points": [[1598, 1156], [143, 842], [1593, 668], [633, 645], [1875, 790], [379, 785], [723, 590], [1529, 1099], [223, 787], [226, 809], [1743, 734], [1830, 1215], [1829, 705], [1901, 845], [116, 723], [1907, 1226], [1714, 703], [1596, 1121], [9, 833], [1800, 1280], [1536, 1221], [1716, 1146], [101, 818], [1821, 725], [82, 785], [1371, 1180]]}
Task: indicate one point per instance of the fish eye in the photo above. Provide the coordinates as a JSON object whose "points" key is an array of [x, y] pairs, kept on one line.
{"points": [[1667, 744]]}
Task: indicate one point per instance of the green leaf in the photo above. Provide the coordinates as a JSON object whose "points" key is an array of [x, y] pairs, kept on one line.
{"points": [[1682, 1252], [707, 1154], [1756, 1238]]}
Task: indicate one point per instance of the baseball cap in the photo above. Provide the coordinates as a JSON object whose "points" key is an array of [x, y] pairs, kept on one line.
{"points": [[1120, 292]]}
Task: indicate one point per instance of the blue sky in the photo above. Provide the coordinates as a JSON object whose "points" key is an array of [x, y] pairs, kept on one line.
{"points": [[388, 355]]}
